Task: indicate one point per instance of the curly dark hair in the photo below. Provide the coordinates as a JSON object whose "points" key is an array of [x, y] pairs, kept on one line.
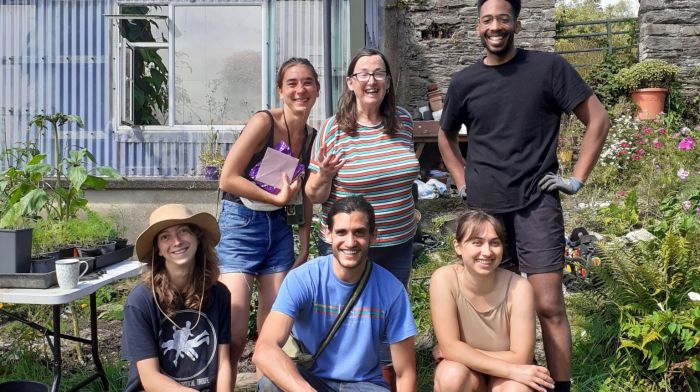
{"points": [[348, 205], [168, 296], [514, 5], [346, 115]]}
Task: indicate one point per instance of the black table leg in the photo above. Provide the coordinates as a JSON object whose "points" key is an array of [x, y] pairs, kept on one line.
{"points": [[56, 347], [93, 342]]}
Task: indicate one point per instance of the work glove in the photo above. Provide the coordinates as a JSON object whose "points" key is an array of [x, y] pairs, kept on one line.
{"points": [[552, 182], [462, 192]]}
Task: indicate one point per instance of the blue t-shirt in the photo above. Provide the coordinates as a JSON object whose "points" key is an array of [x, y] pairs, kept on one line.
{"points": [[313, 296], [188, 354]]}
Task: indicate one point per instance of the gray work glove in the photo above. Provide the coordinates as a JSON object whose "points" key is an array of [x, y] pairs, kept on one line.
{"points": [[552, 182], [462, 192]]}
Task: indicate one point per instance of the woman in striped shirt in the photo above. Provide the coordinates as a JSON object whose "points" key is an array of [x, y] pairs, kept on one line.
{"points": [[367, 149]]}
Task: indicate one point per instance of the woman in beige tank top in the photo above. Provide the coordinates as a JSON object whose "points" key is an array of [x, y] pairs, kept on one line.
{"points": [[483, 316]]}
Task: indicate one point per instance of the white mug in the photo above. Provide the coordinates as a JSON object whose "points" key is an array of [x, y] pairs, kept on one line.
{"points": [[68, 272]]}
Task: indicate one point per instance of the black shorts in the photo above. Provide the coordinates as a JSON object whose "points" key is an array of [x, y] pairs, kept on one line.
{"points": [[535, 242]]}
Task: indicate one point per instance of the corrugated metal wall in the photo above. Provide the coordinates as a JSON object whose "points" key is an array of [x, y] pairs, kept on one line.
{"points": [[46, 67], [56, 56]]}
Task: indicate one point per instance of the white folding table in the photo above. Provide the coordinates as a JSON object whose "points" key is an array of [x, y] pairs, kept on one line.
{"points": [[56, 297]]}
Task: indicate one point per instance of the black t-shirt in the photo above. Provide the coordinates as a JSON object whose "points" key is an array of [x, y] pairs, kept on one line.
{"points": [[512, 112], [188, 354]]}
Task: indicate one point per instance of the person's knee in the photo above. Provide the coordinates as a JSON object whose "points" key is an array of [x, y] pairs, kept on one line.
{"points": [[265, 385], [505, 385], [551, 310], [452, 377], [238, 343]]}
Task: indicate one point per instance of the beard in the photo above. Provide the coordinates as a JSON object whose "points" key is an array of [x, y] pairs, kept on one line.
{"points": [[502, 51]]}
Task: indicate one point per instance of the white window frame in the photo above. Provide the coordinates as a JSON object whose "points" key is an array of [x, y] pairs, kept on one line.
{"points": [[125, 128]]}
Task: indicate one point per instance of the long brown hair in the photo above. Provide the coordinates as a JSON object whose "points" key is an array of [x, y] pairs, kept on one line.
{"points": [[346, 115], [170, 298]]}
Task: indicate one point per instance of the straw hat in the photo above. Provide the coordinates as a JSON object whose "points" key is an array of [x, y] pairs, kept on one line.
{"points": [[170, 215]]}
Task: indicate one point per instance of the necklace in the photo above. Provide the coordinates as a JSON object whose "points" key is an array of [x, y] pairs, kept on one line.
{"points": [[289, 135], [201, 298]]}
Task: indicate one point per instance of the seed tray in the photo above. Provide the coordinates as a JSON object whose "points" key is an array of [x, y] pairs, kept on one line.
{"points": [[28, 280]]}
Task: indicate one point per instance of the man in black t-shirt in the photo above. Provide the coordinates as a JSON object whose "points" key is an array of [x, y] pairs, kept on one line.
{"points": [[511, 102]]}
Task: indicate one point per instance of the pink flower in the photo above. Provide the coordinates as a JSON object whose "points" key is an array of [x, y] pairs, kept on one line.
{"points": [[640, 142], [623, 144], [647, 130], [686, 205], [636, 157], [688, 143], [621, 193], [661, 131], [656, 143], [682, 174], [697, 211]]}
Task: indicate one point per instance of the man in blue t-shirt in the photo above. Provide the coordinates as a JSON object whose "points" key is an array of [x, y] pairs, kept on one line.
{"points": [[312, 296], [511, 102]]}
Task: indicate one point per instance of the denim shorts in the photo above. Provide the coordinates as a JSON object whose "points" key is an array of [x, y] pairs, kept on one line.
{"points": [[254, 242], [325, 385]]}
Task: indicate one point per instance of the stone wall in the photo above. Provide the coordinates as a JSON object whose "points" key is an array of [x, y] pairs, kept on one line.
{"points": [[429, 40], [670, 30]]}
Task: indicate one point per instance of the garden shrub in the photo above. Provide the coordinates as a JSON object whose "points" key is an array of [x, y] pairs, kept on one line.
{"points": [[651, 156], [642, 317]]}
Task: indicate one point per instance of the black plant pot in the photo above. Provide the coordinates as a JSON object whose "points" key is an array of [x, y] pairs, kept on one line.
{"points": [[121, 242], [44, 263], [67, 252], [90, 252], [16, 248], [23, 386], [108, 247]]}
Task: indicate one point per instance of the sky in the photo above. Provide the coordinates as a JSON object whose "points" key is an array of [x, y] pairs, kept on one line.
{"points": [[634, 4]]}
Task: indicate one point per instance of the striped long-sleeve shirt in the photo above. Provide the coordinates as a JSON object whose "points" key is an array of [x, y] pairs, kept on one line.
{"points": [[379, 166]]}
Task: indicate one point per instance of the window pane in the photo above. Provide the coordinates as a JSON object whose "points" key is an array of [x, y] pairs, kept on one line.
{"points": [[144, 30], [146, 82], [218, 60], [150, 86]]}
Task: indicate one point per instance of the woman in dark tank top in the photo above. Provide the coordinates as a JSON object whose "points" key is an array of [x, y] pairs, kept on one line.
{"points": [[256, 234]]}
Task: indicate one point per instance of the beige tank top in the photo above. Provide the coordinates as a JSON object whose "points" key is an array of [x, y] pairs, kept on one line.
{"points": [[488, 331]]}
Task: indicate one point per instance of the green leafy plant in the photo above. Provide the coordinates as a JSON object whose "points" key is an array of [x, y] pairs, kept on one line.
{"points": [[71, 165], [647, 74], [602, 79], [651, 325], [619, 219], [21, 197], [679, 215]]}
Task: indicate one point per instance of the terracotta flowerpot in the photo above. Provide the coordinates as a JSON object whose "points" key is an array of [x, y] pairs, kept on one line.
{"points": [[649, 101]]}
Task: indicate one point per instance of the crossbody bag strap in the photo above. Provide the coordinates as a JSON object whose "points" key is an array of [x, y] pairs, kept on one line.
{"points": [[346, 310]]}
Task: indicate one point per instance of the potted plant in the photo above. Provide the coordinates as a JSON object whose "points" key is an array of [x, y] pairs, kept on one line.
{"points": [[648, 82], [20, 202], [211, 158]]}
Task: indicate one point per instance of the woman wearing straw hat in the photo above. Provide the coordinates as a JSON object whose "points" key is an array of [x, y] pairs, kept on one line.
{"points": [[177, 321]]}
